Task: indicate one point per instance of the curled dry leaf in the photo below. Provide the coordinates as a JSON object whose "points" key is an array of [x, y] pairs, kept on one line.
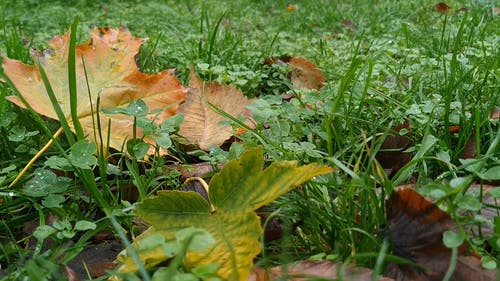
{"points": [[314, 270], [417, 228], [109, 61], [201, 123]]}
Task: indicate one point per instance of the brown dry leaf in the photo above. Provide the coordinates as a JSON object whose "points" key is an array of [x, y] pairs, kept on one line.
{"points": [[391, 156], [349, 25], [201, 123], [495, 114], [417, 227], [305, 270], [442, 8], [70, 274], [113, 75], [99, 269], [470, 150], [305, 74], [292, 7]]}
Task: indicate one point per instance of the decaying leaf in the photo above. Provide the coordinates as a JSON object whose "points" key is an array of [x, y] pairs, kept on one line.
{"points": [[240, 188], [391, 155], [109, 61], [417, 228], [313, 270], [201, 123]]}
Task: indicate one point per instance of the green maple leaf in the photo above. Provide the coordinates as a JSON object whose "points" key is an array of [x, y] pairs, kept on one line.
{"points": [[241, 187]]}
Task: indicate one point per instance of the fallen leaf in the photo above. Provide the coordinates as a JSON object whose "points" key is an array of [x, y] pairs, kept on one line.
{"points": [[470, 151], [349, 25], [112, 74], [417, 227], [99, 269], [495, 114], [496, 11], [454, 129], [314, 270], [442, 7], [391, 156], [201, 124], [96, 258], [241, 187], [70, 274], [305, 75], [292, 7]]}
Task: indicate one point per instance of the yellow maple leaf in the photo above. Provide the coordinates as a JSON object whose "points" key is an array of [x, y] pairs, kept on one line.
{"points": [[108, 62]]}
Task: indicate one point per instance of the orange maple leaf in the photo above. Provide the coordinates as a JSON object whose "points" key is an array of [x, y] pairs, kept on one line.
{"points": [[112, 73]]}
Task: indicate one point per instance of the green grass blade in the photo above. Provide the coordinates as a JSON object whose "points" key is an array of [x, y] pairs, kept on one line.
{"points": [[73, 99], [55, 104]]}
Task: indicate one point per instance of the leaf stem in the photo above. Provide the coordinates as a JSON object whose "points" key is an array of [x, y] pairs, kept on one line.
{"points": [[205, 186], [453, 263], [37, 155]]}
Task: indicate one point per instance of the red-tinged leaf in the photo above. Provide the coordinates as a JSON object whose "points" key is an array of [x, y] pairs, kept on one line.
{"points": [[108, 61], [454, 129], [417, 228]]}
